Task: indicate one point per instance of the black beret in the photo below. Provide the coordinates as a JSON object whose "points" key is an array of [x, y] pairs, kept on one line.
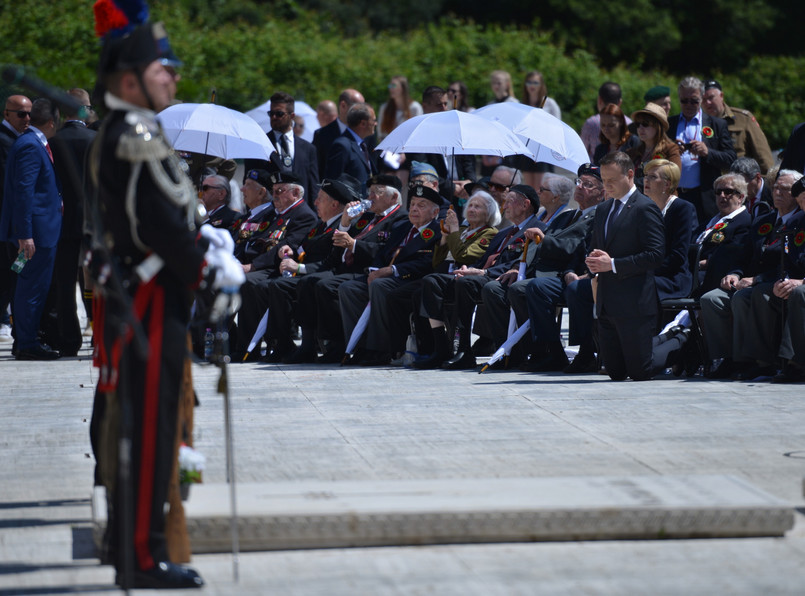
{"points": [[344, 189]]}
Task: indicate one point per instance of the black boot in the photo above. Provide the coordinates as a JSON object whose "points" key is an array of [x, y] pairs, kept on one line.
{"points": [[306, 352], [441, 350]]}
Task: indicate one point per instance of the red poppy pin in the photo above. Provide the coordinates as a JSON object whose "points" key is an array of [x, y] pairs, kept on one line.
{"points": [[720, 226], [707, 132], [262, 227], [799, 239], [361, 224], [311, 234], [280, 221], [658, 156], [484, 242], [427, 234], [764, 229]]}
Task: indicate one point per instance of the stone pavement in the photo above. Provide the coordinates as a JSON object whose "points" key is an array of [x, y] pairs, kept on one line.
{"points": [[327, 423]]}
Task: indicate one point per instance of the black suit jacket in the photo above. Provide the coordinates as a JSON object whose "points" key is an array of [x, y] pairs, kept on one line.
{"points": [[345, 156], [722, 250], [322, 140], [224, 217], [289, 228], [415, 259], [70, 147], [673, 277], [512, 251], [764, 248], [305, 165], [636, 241], [562, 245], [721, 152]]}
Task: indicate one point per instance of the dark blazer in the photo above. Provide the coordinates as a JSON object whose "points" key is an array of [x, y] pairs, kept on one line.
{"points": [[32, 194], [70, 147], [636, 241], [317, 246], [290, 228], [224, 217], [794, 152], [673, 277], [722, 251], [721, 152], [558, 249], [305, 165], [765, 204], [345, 156], [512, 250], [250, 235], [322, 140], [415, 259], [764, 248]]}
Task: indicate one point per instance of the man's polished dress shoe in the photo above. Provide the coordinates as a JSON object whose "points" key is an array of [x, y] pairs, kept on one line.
{"points": [[724, 370], [461, 361], [551, 363], [331, 357], [165, 576], [38, 352]]}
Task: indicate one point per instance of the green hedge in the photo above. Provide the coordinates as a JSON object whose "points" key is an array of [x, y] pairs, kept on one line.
{"points": [[246, 58]]}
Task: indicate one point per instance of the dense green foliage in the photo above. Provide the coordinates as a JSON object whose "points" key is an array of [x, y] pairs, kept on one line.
{"points": [[249, 49]]}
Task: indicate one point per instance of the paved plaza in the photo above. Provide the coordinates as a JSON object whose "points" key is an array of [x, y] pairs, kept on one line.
{"points": [[327, 423]]}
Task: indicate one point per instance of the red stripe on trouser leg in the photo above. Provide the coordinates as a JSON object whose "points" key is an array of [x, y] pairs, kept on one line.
{"points": [[149, 436]]}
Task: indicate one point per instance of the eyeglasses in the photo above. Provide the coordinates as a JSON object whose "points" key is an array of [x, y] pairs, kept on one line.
{"points": [[278, 190], [729, 192], [690, 101], [782, 188], [533, 83], [206, 187], [20, 113], [646, 124], [497, 187], [585, 185], [277, 114]]}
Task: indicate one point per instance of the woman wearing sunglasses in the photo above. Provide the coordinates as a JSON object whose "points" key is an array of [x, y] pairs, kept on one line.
{"points": [[652, 124]]}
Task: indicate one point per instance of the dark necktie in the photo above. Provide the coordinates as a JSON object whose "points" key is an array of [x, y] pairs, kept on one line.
{"points": [[494, 256], [616, 207], [365, 151], [284, 146]]}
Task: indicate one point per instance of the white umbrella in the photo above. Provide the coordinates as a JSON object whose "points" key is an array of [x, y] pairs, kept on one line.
{"points": [[260, 115], [548, 138], [506, 346], [358, 330], [211, 129], [453, 132], [258, 334]]}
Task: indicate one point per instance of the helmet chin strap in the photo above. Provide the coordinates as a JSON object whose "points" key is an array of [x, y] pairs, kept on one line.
{"points": [[138, 72]]}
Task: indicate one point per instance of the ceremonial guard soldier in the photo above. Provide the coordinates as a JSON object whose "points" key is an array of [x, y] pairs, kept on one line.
{"points": [[148, 256]]}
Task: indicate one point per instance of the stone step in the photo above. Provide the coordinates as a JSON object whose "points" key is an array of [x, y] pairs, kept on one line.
{"points": [[292, 515]]}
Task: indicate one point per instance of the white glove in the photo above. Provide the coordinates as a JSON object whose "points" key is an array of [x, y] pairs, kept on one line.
{"points": [[229, 273], [218, 238]]}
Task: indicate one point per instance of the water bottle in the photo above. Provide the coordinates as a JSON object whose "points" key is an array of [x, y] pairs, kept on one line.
{"points": [[209, 340], [287, 272], [356, 210], [19, 263]]}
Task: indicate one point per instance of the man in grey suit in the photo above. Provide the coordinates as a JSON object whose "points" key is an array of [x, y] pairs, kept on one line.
{"points": [[628, 243]]}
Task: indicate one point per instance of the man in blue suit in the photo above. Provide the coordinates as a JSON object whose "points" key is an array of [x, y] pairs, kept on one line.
{"points": [[31, 217], [349, 152]]}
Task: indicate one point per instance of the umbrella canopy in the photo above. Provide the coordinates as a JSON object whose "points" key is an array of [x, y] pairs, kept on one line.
{"points": [[453, 132], [260, 115], [211, 129], [549, 139]]}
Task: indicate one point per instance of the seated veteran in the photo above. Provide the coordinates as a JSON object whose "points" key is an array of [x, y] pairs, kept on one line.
{"points": [[721, 242], [356, 244], [394, 275], [251, 230], [215, 195], [459, 246]]}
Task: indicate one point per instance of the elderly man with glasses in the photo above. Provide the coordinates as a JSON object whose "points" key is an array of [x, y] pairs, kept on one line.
{"points": [[706, 146], [215, 196]]}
